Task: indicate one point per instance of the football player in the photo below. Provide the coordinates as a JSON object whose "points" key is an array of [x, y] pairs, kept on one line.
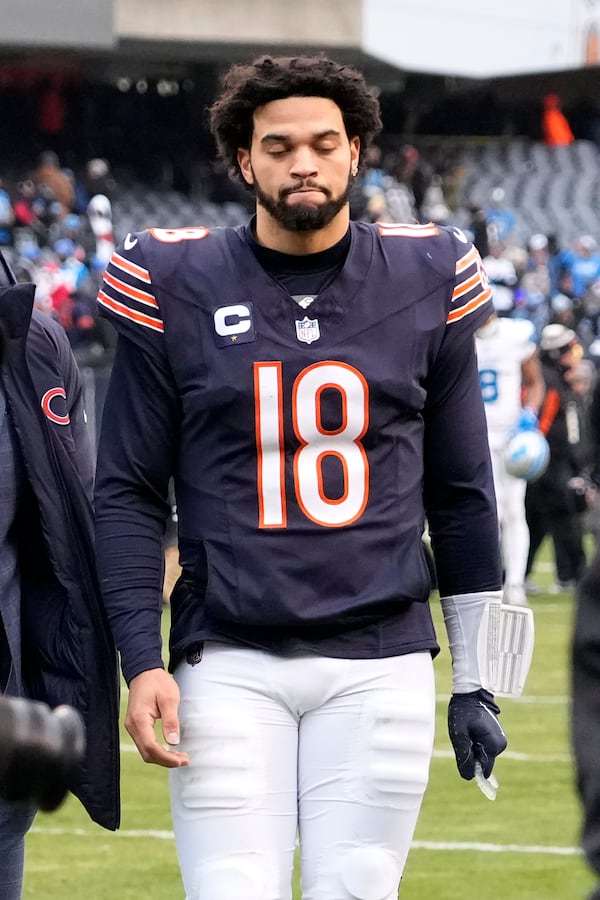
{"points": [[311, 385], [513, 391]]}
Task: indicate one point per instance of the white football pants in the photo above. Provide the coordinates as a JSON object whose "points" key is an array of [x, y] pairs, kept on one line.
{"points": [[338, 749], [514, 531]]}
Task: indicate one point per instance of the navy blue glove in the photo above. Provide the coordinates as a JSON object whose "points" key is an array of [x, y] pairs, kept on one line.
{"points": [[475, 732]]}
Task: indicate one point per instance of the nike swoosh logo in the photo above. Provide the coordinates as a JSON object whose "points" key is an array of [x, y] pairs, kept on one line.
{"points": [[130, 242]]}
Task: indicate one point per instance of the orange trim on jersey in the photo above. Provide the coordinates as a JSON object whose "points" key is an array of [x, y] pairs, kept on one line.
{"points": [[344, 399], [467, 260], [123, 288], [550, 408], [465, 286], [331, 501], [121, 310], [417, 231], [457, 314], [127, 266], [258, 411], [357, 441]]}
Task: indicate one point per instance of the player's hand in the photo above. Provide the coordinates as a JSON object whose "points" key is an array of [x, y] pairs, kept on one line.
{"points": [[475, 732], [154, 695], [528, 420]]}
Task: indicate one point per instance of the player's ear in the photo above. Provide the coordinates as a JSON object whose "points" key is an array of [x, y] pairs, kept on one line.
{"points": [[354, 154], [243, 159]]}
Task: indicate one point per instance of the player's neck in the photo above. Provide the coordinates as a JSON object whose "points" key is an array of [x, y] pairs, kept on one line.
{"points": [[271, 234]]}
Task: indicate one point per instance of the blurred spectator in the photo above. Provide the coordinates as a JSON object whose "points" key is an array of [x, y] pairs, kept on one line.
{"points": [[27, 209], [374, 176], [92, 338], [434, 207], [502, 276], [561, 311], [414, 173], [99, 213], [382, 194], [54, 184], [7, 217], [453, 176], [501, 220], [555, 265], [582, 260], [588, 315], [98, 179], [538, 252], [81, 197], [368, 193], [564, 283], [536, 283], [478, 228]]}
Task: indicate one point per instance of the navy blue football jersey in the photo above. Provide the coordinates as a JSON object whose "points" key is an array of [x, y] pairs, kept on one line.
{"points": [[308, 446]]}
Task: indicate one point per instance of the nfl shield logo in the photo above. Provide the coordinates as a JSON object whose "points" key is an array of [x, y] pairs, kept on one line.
{"points": [[307, 330]]}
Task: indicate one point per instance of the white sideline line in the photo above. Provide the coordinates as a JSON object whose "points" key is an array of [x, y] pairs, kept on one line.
{"points": [[156, 834], [496, 848], [164, 835]]}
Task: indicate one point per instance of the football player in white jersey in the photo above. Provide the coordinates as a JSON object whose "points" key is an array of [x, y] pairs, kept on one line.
{"points": [[512, 387]]}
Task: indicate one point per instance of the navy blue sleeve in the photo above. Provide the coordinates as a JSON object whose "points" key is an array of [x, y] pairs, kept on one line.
{"points": [[84, 457], [459, 491], [139, 436], [46, 335]]}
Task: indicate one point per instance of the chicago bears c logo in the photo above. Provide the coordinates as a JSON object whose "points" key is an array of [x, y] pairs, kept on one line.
{"points": [[47, 399]]}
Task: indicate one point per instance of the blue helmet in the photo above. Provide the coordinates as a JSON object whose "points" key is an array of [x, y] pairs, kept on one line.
{"points": [[527, 454]]}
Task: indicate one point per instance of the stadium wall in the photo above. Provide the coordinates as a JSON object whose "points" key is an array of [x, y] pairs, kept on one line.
{"points": [[71, 23], [275, 22]]}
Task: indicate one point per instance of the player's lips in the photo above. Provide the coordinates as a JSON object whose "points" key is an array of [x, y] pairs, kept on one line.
{"points": [[304, 189], [303, 192]]}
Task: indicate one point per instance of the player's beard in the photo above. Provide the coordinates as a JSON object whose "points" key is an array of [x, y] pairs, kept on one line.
{"points": [[299, 216]]}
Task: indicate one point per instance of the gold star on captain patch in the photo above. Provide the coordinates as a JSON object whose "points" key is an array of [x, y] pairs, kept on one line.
{"points": [[233, 338]]}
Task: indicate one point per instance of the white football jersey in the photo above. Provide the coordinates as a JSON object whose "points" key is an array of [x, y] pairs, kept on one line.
{"points": [[502, 347]]}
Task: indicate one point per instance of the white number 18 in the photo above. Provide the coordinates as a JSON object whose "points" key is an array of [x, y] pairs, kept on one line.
{"points": [[316, 443]]}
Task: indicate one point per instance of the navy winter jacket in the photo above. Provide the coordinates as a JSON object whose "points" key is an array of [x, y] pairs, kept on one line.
{"points": [[67, 653]]}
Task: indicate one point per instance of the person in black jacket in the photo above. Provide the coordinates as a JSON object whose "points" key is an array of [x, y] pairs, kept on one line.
{"points": [[585, 674], [585, 711], [55, 645], [552, 504]]}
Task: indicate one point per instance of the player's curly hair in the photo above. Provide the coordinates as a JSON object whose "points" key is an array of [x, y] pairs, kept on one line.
{"points": [[247, 87]]}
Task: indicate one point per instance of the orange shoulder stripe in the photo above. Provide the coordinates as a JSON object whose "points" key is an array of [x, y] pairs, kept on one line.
{"points": [[457, 314], [121, 310], [135, 294], [138, 271]]}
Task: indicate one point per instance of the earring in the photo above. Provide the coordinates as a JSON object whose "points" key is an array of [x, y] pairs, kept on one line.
{"points": [[355, 171]]}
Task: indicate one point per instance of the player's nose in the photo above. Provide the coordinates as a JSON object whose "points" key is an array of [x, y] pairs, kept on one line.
{"points": [[304, 163]]}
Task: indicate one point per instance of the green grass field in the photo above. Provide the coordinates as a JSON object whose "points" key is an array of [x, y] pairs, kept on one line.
{"points": [[522, 846]]}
